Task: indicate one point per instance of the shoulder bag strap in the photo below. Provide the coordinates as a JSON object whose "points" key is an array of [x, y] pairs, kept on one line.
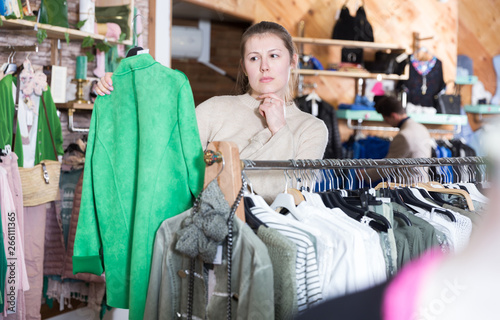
{"points": [[16, 107], [48, 124]]}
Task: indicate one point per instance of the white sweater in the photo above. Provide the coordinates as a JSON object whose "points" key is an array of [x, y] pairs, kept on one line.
{"points": [[237, 119]]}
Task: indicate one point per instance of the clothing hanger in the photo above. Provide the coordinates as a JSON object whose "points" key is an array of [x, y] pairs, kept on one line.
{"points": [[333, 199], [11, 67], [410, 199], [423, 54], [250, 218], [136, 50]]}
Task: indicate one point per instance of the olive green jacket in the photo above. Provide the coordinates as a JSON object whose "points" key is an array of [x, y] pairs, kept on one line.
{"points": [[252, 290], [144, 163], [44, 148]]}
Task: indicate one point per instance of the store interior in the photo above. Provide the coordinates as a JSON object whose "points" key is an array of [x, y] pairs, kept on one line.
{"points": [[201, 38]]}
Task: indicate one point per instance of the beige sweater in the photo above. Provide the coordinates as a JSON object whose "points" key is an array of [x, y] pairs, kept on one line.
{"points": [[237, 119]]}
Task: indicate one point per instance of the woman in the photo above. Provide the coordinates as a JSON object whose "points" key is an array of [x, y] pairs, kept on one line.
{"points": [[262, 120]]}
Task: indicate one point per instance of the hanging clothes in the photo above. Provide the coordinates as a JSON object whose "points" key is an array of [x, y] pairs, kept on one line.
{"points": [[327, 113], [41, 143], [425, 81], [144, 163], [252, 289]]}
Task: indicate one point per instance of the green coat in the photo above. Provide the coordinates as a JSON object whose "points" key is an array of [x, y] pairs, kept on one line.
{"points": [[144, 163], [44, 149]]}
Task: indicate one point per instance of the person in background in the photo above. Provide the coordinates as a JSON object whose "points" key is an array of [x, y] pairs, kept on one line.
{"points": [[413, 139], [262, 119]]}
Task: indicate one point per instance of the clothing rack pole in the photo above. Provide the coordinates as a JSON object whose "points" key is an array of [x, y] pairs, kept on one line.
{"points": [[19, 48], [223, 163], [360, 163]]}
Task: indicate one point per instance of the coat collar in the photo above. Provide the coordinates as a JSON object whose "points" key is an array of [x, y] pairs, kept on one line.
{"points": [[136, 62]]}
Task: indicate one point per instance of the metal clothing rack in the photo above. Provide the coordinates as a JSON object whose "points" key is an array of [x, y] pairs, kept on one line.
{"points": [[19, 48], [223, 163], [249, 165]]}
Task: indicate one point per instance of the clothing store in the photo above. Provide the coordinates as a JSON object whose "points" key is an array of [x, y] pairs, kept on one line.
{"points": [[249, 159]]}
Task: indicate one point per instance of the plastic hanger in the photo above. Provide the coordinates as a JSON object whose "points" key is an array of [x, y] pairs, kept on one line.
{"points": [[136, 50]]}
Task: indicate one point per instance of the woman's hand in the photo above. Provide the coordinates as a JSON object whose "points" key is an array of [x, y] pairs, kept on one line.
{"points": [[105, 85], [272, 109]]}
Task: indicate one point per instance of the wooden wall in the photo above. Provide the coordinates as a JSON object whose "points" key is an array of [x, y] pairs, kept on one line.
{"points": [[479, 37], [393, 21]]}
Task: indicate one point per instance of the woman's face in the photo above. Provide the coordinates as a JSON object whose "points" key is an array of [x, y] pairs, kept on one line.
{"points": [[267, 63]]}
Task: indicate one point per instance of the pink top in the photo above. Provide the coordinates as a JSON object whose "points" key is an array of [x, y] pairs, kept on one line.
{"points": [[400, 298]]}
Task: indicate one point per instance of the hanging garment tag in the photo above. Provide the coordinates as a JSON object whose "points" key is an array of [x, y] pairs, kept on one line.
{"points": [[218, 256], [314, 108], [401, 57], [142, 51]]}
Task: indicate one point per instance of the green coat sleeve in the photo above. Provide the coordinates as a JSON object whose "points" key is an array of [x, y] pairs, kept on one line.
{"points": [[87, 248], [190, 141], [6, 112], [55, 122]]}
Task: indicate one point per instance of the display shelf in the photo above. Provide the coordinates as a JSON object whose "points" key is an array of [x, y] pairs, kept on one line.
{"points": [[483, 109], [439, 119], [356, 74], [351, 74], [465, 80], [54, 32], [75, 106], [347, 43]]}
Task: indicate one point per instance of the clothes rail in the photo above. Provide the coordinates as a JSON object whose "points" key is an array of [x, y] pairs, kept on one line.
{"points": [[359, 163], [19, 48]]}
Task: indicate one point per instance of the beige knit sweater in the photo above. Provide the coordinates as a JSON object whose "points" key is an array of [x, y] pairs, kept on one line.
{"points": [[237, 119]]}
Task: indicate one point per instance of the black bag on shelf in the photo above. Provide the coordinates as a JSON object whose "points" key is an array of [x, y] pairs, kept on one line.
{"points": [[387, 63], [352, 28], [448, 103], [352, 55]]}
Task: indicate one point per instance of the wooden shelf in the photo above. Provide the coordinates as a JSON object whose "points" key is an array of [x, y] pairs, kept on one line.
{"points": [[361, 74], [353, 74], [54, 32], [75, 106], [347, 43]]}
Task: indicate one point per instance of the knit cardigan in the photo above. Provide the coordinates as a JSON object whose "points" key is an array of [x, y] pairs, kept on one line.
{"points": [[44, 148]]}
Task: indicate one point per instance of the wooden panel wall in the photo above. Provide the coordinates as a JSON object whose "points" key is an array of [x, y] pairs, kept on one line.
{"points": [[478, 37], [393, 21]]}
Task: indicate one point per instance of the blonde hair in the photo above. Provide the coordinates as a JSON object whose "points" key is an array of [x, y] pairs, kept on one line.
{"points": [[263, 27]]}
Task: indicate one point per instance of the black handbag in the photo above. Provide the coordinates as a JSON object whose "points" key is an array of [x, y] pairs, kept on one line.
{"points": [[356, 28], [448, 103], [352, 55], [387, 63]]}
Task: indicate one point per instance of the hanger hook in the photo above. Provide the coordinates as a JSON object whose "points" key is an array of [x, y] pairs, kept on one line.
{"points": [[134, 31]]}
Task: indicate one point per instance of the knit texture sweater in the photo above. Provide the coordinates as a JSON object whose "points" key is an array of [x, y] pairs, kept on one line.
{"points": [[237, 119]]}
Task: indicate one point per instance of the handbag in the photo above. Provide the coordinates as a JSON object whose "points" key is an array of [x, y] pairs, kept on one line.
{"points": [[448, 103], [54, 12], [40, 184], [356, 28], [387, 63]]}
